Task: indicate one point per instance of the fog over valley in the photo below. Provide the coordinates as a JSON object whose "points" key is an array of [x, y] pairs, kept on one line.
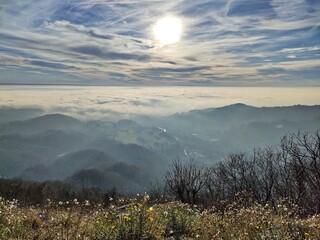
{"points": [[105, 103], [126, 138]]}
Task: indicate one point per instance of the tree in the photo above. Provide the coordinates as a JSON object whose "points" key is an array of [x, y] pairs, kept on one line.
{"points": [[301, 153], [185, 180]]}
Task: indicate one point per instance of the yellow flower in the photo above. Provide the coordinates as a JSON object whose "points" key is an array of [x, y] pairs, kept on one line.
{"points": [[150, 219], [127, 218], [150, 209], [113, 226], [306, 234]]}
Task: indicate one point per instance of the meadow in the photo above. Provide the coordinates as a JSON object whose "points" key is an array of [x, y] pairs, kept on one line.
{"points": [[142, 218], [269, 194]]}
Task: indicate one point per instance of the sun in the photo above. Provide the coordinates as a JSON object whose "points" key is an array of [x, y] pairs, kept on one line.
{"points": [[168, 30]]}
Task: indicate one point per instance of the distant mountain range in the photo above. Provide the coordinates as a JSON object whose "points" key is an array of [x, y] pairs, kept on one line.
{"points": [[130, 153]]}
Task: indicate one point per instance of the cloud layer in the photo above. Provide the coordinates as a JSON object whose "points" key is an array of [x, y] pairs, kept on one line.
{"points": [[101, 102], [107, 42]]}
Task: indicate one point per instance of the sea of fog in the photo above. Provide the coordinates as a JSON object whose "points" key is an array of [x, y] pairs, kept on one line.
{"points": [[125, 102]]}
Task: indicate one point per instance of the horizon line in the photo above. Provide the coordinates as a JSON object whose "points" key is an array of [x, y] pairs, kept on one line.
{"points": [[154, 85]]}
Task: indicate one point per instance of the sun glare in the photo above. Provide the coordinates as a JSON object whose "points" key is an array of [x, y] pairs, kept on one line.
{"points": [[168, 30]]}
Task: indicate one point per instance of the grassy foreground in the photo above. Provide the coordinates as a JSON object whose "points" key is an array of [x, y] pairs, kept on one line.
{"points": [[139, 219]]}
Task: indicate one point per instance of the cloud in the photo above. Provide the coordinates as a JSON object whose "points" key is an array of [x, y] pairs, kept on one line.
{"points": [[300, 49], [272, 71], [146, 103], [202, 82], [50, 65], [111, 42], [108, 55], [176, 70], [65, 25], [109, 103], [249, 7]]}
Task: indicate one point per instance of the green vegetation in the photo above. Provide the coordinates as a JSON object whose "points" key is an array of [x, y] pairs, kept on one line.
{"points": [[141, 219]]}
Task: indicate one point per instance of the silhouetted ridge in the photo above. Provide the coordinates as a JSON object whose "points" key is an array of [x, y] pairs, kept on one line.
{"points": [[130, 172], [55, 118], [236, 106], [105, 179], [8, 114], [41, 124], [70, 163]]}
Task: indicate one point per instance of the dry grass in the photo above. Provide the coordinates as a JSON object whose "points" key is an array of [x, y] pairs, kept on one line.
{"points": [[138, 219]]}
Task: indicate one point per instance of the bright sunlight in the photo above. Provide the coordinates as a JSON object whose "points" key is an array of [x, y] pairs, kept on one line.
{"points": [[168, 30]]}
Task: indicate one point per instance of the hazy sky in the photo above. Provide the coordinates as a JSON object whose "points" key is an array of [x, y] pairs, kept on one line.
{"points": [[113, 42]]}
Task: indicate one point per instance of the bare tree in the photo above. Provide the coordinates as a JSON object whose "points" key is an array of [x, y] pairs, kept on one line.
{"points": [[302, 152], [233, 176], [185, 180], [289, 170], [266, 172]]}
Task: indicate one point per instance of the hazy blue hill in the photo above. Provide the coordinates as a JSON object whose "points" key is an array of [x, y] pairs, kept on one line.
{"points": [[209, 134], [229, 112], [127, 153], [104, 179], [216, 120], [131, 154], [131, 172], [97, 128], [40, 124], [70, 163], [152, 138], [233, 108], [18, 152], [13, 161], [241, 112], [259, 133], [38, 173], [18, 114], [127, 123], [58, 139], [56, 120]]}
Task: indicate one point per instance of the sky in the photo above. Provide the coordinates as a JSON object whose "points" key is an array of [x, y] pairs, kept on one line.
{"points": [[112, 42]]}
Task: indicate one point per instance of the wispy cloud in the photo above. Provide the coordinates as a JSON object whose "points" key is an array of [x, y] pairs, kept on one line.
{"points": [[301, 49], [111, 42]]}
